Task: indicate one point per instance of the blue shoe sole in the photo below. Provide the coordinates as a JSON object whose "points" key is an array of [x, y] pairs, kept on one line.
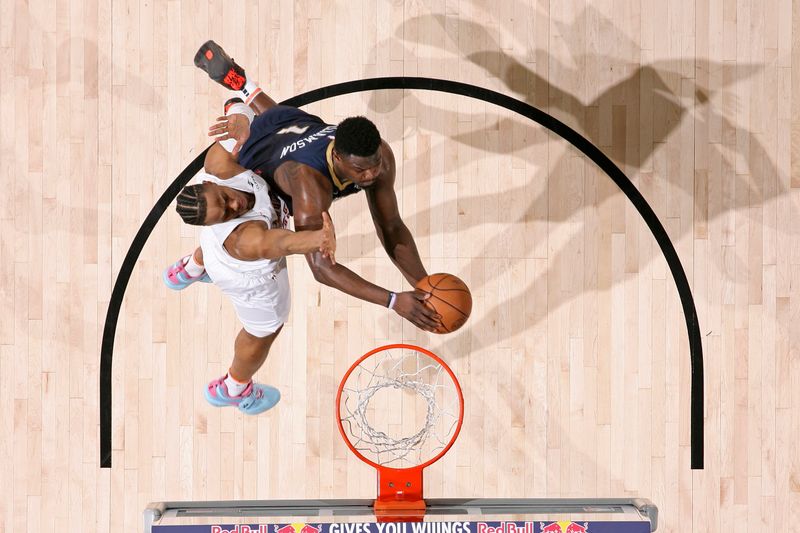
{"points": [[271, 398], [216, 402]]}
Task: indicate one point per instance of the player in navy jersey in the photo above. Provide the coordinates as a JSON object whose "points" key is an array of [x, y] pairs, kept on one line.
{"points": [[309, 164]]}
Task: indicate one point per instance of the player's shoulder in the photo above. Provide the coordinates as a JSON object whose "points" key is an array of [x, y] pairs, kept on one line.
{"points": [[243, 243], [300, 177], [247, 230], [387, 175], [298, 170], [386, 150]]}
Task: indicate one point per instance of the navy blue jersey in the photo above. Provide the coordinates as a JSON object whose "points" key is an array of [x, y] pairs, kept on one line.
{"points": [[284, 134]]}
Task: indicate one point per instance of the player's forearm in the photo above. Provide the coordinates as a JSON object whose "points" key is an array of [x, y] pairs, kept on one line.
{"points": [[342, 278], [402, 250], [262, 103], [287, 242]]}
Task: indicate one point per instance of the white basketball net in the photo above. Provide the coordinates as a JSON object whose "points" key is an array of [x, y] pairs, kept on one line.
{"points": [[410, 397]]}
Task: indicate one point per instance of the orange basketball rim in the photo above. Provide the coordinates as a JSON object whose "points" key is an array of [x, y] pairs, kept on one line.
{"points": [[398, 387]]}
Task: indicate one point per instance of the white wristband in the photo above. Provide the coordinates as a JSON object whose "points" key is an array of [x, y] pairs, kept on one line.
{"points": [[241, 109], [237, 109], [392, 300]]}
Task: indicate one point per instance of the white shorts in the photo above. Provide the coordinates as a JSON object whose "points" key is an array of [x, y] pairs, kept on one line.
{"points": [[263, 307]]}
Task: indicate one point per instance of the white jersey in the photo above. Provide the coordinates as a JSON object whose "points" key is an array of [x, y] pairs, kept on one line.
{"points": [[260, 285]]}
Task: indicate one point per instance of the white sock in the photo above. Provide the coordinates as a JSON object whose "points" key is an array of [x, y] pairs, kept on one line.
{"points": [[235, 388], [193, 268], [249, 91]]}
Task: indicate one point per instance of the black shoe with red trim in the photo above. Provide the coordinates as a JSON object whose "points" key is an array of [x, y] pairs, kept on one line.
{"points": [[219, 66]]}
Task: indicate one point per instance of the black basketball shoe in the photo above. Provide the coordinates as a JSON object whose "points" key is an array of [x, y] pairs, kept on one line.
{"points": [[219, 66]]}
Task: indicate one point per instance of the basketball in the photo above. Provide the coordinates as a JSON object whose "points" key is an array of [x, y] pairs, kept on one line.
{"points": [[450, 297]]}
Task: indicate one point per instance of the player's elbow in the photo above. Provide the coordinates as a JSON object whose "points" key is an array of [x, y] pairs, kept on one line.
{"points": [[217, 160], [321, 269]]}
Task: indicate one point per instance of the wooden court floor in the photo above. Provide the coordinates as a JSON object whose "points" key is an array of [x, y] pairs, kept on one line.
{"points": [[575, 363]]}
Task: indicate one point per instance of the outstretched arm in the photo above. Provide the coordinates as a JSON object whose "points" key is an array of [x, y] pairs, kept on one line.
{"points": [[256, 241], [410, 305], [392, 231]]}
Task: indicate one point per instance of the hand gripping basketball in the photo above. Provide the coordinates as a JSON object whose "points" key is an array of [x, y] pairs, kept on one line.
{"points": [[449, 297], [411, 306]]}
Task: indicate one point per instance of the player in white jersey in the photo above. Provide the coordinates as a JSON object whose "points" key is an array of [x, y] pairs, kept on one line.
{"points": [[242, 249]]}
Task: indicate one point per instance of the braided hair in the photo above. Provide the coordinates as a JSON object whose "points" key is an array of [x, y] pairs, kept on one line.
{"points": [[192, 205]]}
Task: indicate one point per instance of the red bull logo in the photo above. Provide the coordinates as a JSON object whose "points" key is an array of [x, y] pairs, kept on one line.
{"points": [[296, 528], [564, 526]]}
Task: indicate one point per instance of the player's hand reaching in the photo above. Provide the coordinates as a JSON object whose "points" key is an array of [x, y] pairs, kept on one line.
{"points": [[327, 245], [411, 306], [235, 126]]}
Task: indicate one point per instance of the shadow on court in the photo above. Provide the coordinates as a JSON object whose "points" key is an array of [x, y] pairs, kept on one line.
{"points": [[638, 120]]}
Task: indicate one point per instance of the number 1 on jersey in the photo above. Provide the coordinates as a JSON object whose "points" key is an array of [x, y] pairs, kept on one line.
{"points": [[293, 129]]}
